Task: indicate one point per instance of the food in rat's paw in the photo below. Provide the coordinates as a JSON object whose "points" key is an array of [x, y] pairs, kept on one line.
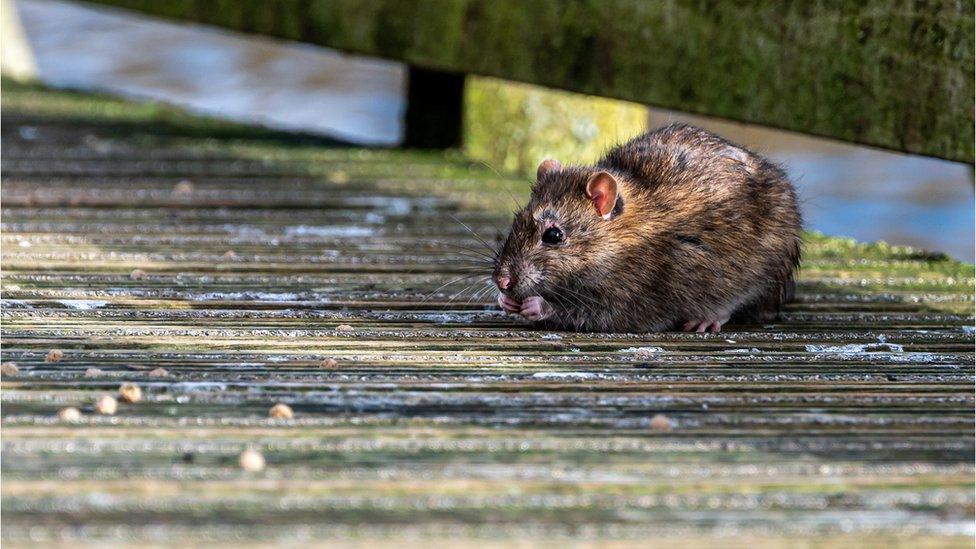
{"points": [[281, 411], [675, 229], [251, 461], [130, 392], [9, 369], [69, 414], [54, 355], [106, 404]]}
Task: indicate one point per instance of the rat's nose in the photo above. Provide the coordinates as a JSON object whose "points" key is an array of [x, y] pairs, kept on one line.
{"points": [[503, 281]]}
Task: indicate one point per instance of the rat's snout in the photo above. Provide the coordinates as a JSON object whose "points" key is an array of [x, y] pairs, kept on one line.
{"points": [[516, 278], [504, 279]]}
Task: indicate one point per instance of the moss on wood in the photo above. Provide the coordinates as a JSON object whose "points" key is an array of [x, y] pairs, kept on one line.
{"points": [[897, 75]]}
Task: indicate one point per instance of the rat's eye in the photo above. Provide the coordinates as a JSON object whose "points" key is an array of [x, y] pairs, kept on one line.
{"points": [[552, 236]]}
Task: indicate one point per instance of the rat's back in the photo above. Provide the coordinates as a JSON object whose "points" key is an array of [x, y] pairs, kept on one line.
{"points": [[725, 218]]}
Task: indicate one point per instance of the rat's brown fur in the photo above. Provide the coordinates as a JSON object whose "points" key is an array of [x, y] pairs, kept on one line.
{"points": [[701, 227]]}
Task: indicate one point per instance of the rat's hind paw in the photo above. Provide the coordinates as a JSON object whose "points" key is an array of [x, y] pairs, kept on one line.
{"points": [[709, 325], [535, 308], [508, 304]]}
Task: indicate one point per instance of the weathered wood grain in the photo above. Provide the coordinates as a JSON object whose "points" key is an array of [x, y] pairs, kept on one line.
{"points": [[849, 421]]}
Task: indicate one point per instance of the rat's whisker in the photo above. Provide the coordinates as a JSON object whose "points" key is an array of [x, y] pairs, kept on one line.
{"points": [[479, 254], [583, 301], [475, 259], [482, 292], [504, 181], [453, 246], [461, 291], [448, 283], [476, 235]]}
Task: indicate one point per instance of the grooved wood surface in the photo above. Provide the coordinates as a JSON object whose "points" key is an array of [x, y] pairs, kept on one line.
{"points": [[257, 258]]}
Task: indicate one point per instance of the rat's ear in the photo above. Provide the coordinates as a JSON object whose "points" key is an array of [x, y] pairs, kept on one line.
{"points": [[602, 190], [547, 165]]}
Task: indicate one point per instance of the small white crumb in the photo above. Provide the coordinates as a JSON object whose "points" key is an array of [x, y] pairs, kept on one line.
{"points": [[70, 413], [661, 422], [183, 188], [130, 392], [106, 404], [642, 351], [281, 411], [251, 461]]}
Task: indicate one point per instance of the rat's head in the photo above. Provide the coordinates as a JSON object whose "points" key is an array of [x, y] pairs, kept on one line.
{"points": [[564, 231]]}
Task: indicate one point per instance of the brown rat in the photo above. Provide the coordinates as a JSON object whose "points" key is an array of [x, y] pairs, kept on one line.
{"points": [[675, 229]]}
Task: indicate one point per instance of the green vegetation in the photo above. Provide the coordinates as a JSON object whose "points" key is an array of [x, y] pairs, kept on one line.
{"points": [[514, 126]]}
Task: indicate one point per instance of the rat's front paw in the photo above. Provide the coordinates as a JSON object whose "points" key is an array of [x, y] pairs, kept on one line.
{"points": [[535, 308], [508, 304], [713, 325]]}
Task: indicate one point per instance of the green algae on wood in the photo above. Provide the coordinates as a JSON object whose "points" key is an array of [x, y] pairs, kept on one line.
{"points": [[892, 75]]}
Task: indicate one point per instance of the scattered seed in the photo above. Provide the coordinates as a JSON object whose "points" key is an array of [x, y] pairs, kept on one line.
{"points": [[158, 372], [54, 355], [137, 274], [344, 328], [93, 372], [329, 363], [69, 414], [9, 369], [106, 404], [661, 423], [251, 461], [130, 392], [281, 411], [230, 254], [183, 188]]}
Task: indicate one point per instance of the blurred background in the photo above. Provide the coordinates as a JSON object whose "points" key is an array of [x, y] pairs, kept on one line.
{"points": [[846, 190]]}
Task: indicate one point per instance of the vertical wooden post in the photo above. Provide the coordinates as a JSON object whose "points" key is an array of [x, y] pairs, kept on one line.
{"points": [[434, 109]]}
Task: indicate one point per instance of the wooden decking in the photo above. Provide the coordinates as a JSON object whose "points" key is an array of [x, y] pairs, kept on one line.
{"points": [[849, 420]]}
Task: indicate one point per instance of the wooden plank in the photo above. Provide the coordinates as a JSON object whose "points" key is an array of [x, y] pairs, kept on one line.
{"points": [[897, 75], [848, 421]]}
